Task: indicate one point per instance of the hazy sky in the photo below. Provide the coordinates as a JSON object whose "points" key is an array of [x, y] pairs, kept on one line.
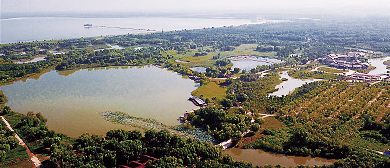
{"points": [[362, 7]]}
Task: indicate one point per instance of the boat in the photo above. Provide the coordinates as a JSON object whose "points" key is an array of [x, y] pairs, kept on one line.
{"points": [[87, 25]]}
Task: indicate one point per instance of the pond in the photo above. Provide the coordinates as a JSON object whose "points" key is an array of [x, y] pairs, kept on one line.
{"points": [[290, 85], [177, 60], [72, 101], [260, 158], [199, 69], [380, 67], [115, 47], [250, 62], [31, 61]]}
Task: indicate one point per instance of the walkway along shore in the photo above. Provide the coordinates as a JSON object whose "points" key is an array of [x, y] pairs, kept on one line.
{"points": [[33, 158]]}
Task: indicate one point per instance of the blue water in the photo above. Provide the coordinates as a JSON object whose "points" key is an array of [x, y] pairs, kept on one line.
{"points": [[21, 29]]}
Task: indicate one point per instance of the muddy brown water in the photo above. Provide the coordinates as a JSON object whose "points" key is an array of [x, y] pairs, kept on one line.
{"points": [[260, 158], [72, 101]]}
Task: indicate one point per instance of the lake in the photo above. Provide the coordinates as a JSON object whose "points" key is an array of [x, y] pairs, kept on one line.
{"points": [[199, 69], [286, 87], [380, 67], [260, 158], [18, 29], [250, 62], [72, 101]]}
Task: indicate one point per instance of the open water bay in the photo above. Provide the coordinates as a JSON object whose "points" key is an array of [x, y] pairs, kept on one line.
{"points": [[21, 29]]}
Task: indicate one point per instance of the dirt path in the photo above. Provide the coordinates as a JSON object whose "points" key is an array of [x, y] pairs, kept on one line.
{"points": [[226, 144], [33, 158], [267, 115]]}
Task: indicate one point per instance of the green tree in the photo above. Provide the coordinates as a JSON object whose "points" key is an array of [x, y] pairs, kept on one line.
{"points": [[236, 70], [255, 127], [166, 161], [6, 110], [226, 103]]}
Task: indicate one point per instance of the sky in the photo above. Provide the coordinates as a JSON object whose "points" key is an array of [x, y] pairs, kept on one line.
{"points": [[344, 7]]}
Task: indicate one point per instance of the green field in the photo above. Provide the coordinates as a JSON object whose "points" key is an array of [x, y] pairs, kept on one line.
{"points": [[210, 90], [330, 70]]}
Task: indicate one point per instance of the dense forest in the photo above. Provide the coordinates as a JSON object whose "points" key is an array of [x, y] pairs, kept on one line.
{"points": [[330, 118]]}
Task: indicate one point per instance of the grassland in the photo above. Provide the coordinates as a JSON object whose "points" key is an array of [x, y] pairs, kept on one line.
{"points": [[17, 157], [211, 90], [330, 70]]}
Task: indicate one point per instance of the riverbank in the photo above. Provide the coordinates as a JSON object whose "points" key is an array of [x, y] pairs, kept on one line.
{"points": [[35, 76]]}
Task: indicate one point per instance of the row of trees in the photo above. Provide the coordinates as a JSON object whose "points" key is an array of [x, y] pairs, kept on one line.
{"points": [[120, 147], [126, 57]]}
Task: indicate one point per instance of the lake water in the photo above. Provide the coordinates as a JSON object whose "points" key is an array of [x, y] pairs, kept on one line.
{"points": [[245, 62], [48, 28], [73, 101], [250, 62], [260, 158], [380, 67], [290, 85]]}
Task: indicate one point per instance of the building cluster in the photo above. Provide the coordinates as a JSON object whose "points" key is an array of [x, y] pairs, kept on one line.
{"points": [[340, 61], [368, 78]]}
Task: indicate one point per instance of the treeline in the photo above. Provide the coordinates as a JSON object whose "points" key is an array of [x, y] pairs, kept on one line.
{"points": [[113, 57], [222, 125], [120, 147], [304, 74], [10, 71]]}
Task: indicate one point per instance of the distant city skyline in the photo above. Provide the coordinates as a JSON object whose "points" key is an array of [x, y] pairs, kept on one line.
{"points": [[336, 7]]}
